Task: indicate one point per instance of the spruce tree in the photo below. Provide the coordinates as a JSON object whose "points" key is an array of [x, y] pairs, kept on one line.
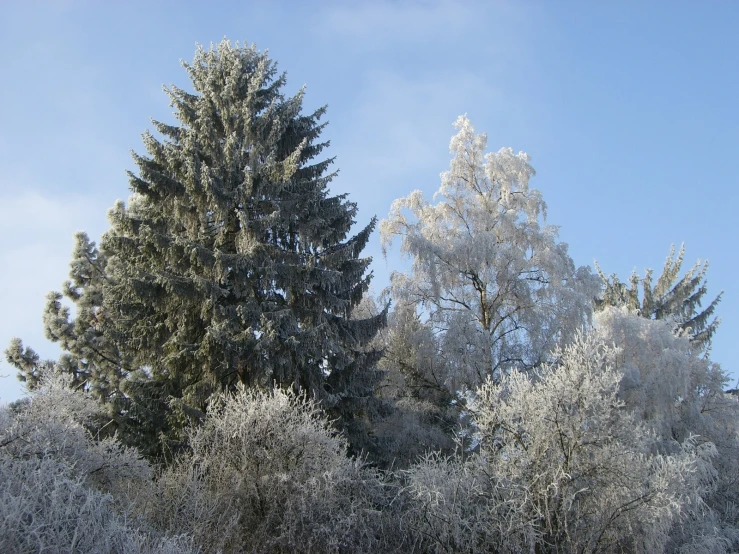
{"points": [[670, 298], [231, 263]]}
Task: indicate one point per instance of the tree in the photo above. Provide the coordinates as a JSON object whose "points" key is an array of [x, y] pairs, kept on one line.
{"points": [[490, 282], [92, 358], [670, 298], [565, 464], [668, 385], [230, 264]]}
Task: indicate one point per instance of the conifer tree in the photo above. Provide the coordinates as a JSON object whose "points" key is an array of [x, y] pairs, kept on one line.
{"points": [[231, 262], [670, 298]]}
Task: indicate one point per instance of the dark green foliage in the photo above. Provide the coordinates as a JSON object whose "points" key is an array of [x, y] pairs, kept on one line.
{"points": [[668, 298], [230, 264], [421, 414], [26, 361]]}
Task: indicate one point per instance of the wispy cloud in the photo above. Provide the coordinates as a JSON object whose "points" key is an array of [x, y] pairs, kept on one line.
{"points": [[371, 24], [414, 68]]}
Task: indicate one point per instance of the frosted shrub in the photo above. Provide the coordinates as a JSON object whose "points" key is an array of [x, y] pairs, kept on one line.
{"points": [[562, 466], [56, 481], [581, 462], [52, 423], [267, 473], [454, 505], [45, 508]]}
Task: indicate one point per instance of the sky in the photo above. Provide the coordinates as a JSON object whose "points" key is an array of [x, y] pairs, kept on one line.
{"points": [[628, 110]]}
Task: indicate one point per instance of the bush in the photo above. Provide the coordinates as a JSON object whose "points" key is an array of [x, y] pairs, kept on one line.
{"points": [[56, 482], [562, 465], [267, 473]]}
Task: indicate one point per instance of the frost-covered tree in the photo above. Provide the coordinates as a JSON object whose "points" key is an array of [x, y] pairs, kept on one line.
{"points": [[563, 465], [92, 358], [422, 414], [489, 279], [665, 381], [668, 385], [231, 262], [678, 300]]}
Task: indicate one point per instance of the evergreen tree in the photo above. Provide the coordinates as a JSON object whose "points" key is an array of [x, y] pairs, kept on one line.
{"points": [[89, 359], [670, 298], [230, 264], [92, 357]]}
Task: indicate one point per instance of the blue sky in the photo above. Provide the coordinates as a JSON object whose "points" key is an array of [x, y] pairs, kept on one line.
{"points": [[628, 109]]}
